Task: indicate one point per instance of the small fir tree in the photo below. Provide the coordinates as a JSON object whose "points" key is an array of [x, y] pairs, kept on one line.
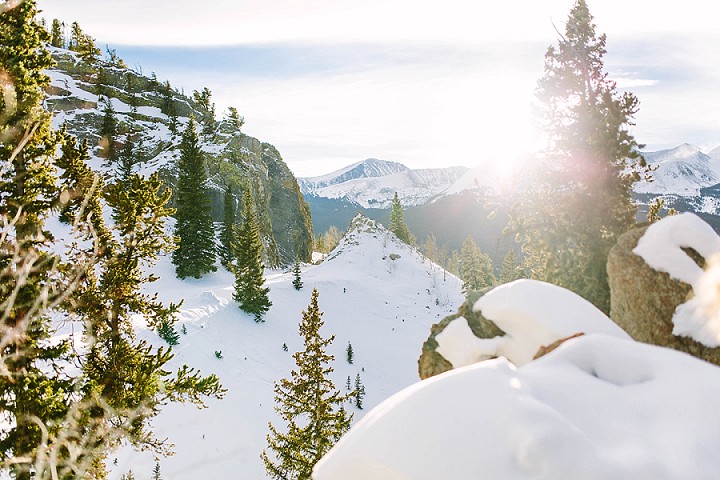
{"points": [[156, 472], [235, 119], [167, 332], [249, 269], [359, 392], [309, 403], [476, 269], [397, 224], [349, 354], [511, 269], [108, 130], [57, 38], [195, 255], [348, 384], [297, 281]]}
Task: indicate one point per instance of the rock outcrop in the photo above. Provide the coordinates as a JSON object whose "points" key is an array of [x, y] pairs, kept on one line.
{"points": [[643, 300], [431, 362]]}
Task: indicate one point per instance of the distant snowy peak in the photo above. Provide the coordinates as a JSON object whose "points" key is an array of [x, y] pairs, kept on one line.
{"points": [[373, 183], [682, 170], [370, 168]]}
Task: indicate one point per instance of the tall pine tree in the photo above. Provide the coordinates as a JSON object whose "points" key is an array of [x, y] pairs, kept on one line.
{"points": [[249, 268], [581, 202], [476, 268], [195, 255], [310, 405], [227, 228], [31, 281], [397, 224]]}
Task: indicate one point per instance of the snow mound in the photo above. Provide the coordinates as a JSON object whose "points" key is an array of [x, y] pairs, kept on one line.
{"points": [[598, 408], [661, 248], [532, 314]]}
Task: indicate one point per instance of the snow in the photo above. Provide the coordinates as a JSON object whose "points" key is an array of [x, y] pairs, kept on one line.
{"points": [[532, 314], [661, 245], [384, 307], [599, 407], [682, 170]]}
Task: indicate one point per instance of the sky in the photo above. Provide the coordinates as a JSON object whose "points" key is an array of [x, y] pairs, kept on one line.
{"points": [[428, 84]]}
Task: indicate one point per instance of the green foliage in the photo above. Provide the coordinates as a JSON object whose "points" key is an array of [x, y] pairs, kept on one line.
{"points": [[249, 268], [167, 332], [57, 38], [297, 281], [83, 44], [309, 404], [227, 228], [397, 224], [218, 354], [511, 269], [476, 269], [655, 210], [581, 201], [235, 119], [359, 392], [349, 354], [108, 130], [156, 472], [195, 255]]}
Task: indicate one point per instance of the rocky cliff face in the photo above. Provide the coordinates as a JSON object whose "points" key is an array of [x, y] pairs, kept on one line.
{"points": [[153, 115]]}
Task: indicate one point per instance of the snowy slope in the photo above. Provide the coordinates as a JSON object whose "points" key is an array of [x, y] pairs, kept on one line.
{"points": [[683, 170], [384, 307], [373, 183]]}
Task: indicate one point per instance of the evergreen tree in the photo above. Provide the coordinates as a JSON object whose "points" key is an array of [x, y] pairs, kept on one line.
{"points": [[195, 255], [108, 130], [31, 282], [349, 354], [359, 392], [431, 250], [297, 281], [56, 34], [581, 202], [235, 119], [348, 384], [83, 44], [310, 405], [227, 229], [156, 472], [167, 332], [511, 269], [476, 269], [397, 224], [249, 268]]}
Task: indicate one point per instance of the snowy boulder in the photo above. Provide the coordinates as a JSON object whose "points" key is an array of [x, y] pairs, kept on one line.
{"points": [[518, 321], [431, 362], [597, 408], [651, 304]]}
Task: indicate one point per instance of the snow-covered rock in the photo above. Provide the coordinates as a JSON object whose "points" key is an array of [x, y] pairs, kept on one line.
{"points": [[598, 407]]}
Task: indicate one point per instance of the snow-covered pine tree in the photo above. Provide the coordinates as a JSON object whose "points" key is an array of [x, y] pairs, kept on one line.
{"points": [[249, 268], [310, 405], [397, 224], [195, 255], [581, 202], [297, 281], [227, 228]]}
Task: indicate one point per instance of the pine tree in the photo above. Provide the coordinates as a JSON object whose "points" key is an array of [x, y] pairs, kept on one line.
{"points": [[348, 384], [249, 268], [56, 34], [108, 130], [167, 332], [397, 224], [359, 392], [476, 269], [235, 119], [156, 472], [349, 354], [195, 255], [431, 250], [511, 269], [227, 228], [310, 405], [297, 281], [31, 280], [581, 202]]}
